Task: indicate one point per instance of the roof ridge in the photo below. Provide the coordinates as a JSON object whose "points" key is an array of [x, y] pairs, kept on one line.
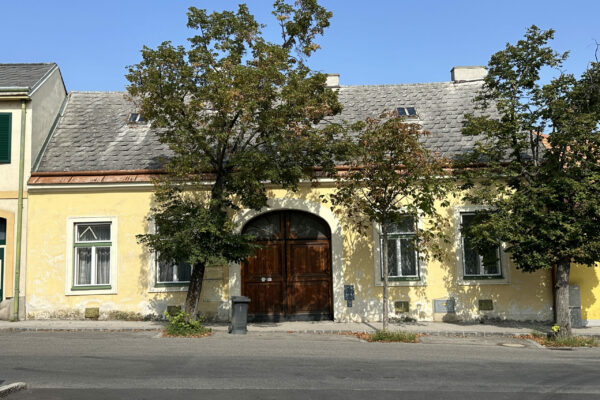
{"points": [[99, 91], [412, 84], [39, 63]]}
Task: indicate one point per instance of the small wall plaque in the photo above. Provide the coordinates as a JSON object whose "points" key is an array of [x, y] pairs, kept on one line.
{"points": [[486, 305]]}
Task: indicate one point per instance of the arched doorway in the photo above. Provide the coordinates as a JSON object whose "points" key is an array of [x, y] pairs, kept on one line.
{"points": [[289, 277]]}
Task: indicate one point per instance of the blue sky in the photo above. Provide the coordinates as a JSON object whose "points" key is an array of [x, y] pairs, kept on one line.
{"points": [[368, 42]]}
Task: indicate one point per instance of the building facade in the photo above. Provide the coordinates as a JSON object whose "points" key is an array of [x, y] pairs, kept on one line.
{"points": [[90, 194]]}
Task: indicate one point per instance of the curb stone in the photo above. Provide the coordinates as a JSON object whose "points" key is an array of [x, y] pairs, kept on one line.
{"points": [[12, 388]]}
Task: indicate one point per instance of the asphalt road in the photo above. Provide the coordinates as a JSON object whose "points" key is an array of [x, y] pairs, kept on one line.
{"points": [[94, 365]]}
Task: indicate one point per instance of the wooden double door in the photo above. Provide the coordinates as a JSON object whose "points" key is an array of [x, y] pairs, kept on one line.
{"points": [[289, 277]]}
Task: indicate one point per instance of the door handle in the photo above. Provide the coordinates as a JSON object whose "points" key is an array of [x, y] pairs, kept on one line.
{"points": [[263, 279], [269, 279]]}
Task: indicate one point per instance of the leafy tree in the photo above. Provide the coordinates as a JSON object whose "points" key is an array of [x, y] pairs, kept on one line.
{"points": [[393, 178], [542, 190], [235, 110]]}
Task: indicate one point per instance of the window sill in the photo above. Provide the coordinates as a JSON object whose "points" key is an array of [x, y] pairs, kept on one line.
{"points": [[483, 280], [92, 287], [91, 290], [416, 281], [171, 284], [403, 279], [482, 277]]}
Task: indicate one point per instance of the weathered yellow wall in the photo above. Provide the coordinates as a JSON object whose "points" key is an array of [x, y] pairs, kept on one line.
{"points": [[527, 296], [46, 284], [588, 279]]}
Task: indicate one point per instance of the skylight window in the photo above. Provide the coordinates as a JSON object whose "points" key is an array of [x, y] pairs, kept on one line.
{"points": [[410, 112], [136, 118]]}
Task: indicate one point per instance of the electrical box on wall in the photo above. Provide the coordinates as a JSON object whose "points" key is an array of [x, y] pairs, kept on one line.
{"points": [[443, 305]]}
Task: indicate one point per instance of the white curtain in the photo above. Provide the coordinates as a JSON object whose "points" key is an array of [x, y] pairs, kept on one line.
{"points": [[102, 265]]}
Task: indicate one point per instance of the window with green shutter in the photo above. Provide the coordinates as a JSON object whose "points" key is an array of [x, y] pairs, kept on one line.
{"points": [[5, 130]]}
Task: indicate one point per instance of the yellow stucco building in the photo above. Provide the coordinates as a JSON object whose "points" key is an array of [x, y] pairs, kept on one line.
{"points": [[90, 194]]}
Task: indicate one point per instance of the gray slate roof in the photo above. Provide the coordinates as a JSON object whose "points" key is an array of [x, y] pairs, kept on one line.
{"points": [[93, 133], [23, 75]]}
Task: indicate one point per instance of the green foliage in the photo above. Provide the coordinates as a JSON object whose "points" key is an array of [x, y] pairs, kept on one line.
{"points": [[391, 174], [546, 206], [235, 111], [543, 198], [387, 336], [563, 341], [181, 324]]}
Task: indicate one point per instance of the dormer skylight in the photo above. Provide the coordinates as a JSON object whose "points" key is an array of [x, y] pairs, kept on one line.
{"points": [[407, 112], [136, 118]]}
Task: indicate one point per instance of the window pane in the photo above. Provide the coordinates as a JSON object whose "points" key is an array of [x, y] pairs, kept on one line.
{"points": [[102, 265], [165, 271], [490, 261], [408, 257], [171, 272], [184, 272], [406, 224], [93, 232], [306, 226], [2, 231], [83, 265], [471, 258], [392, 258], [265, 227]]}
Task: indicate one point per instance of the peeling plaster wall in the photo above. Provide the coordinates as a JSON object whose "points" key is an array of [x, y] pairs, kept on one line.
{"points": [[521, 297]]}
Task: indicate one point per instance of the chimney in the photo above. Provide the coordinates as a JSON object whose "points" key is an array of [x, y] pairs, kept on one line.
{"points": [[333, 81], [468, 73]]}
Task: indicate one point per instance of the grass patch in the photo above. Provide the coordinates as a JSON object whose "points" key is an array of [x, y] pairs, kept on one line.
{"points": [[180, 325], [559, 341], [387, 336]]}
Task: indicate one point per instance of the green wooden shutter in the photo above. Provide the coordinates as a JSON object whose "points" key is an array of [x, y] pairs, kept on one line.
{"points": [[5, 130]]}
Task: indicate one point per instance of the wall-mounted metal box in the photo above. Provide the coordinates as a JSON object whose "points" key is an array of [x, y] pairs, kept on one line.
{"points": [[443, 305], [486, 305], [401, 306]]}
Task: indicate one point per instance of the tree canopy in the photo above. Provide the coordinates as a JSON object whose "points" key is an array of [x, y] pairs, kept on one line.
{"points": [[236, 110], [391, 175], [540, 149]]}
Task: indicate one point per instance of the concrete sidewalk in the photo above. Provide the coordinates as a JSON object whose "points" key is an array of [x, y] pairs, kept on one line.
{"points": [[321, 327]]}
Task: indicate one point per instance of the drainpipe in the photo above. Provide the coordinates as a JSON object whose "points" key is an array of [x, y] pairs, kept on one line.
{"points": [[19, 214]]}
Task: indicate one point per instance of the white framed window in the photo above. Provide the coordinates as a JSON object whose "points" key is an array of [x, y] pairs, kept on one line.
{"points": [[91, 255], [406, 266], [475, 267], [484, 263], [403, 258], [173, 273]]}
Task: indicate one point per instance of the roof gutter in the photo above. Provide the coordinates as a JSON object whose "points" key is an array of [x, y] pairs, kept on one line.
{"points": [[14, 93]]}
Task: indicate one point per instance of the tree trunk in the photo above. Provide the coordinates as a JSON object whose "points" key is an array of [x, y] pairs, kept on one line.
{"points": [[194, 290], [563, 317], [386, 306]]}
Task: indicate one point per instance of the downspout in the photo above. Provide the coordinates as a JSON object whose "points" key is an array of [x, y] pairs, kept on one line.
{"points": [[19, 214]]}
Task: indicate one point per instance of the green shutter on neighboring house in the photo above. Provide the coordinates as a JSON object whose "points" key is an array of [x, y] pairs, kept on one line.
{"points": [[5, 130]]}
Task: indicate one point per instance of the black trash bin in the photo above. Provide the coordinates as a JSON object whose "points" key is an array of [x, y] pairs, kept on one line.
{"points": [[239, 315]]}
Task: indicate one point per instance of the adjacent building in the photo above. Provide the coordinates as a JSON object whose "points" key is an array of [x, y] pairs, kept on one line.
{"points": [[31, 96]]}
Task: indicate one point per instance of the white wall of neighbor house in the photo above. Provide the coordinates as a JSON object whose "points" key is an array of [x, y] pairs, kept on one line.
{"points": [[46, 102]]}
